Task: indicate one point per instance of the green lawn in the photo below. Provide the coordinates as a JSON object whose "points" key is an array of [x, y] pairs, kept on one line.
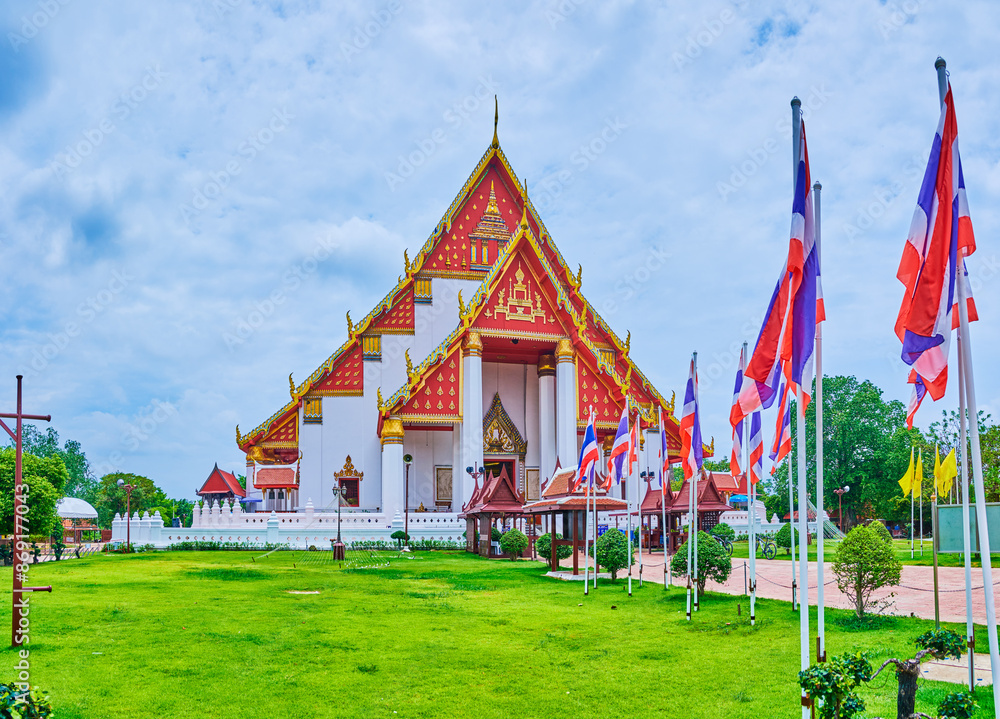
{"points": [[215, 634], [902, 547]]}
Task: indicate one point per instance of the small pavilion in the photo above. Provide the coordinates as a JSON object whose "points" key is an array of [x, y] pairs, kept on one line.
{"points": [[221, 485], [497, 500], [567, 513], [710, 507], [652, 515]]}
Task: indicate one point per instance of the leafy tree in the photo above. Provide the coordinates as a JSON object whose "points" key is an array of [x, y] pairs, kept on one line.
{"points": [[612, 552], [863, 563], [513, 542], [400, 536], [834, 682], [111, 499], [81, 481], [242, 479], [785, 536], [718, 465], [45, 478], [724, 531], [543, 546], [881, 531], [935, 644], [713, 561], [958, 705]]}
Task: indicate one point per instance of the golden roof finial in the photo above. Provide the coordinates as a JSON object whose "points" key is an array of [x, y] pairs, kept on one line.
{"points": [[239, 437], [350, 325], [496, 120], [381, 402], [491, 206], [291, 386], [628, 343], [406, 261], [524, 213], [409, 363], [579, 276]]}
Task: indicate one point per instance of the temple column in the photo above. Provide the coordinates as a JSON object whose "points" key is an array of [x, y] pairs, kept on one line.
{"points": [[546, 416], [472, 411], [457, 468], [566, 404], [392, 466]]}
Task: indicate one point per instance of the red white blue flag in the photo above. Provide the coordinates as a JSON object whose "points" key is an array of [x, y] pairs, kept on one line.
{"points": [[620, 450], [756, 449], [782, 432], [737, 453], [940, 238], [590, 455], [692, 450], [633, 447], [919, 392], [787, 337]]}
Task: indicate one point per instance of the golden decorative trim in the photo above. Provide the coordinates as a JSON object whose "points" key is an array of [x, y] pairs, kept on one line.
{"points": [[423, 290], [395, 331], [608, 444], [565, 352], [392, 431], [508, 334], [546, 365], [463, 275], [336, 393], [473, 344], [312, 410], [349, 471], [372, 347], [430, 418]]}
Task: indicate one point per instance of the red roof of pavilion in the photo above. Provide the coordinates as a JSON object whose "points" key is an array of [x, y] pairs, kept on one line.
{"points": [[221, 482], [725, 482], [497, 495], [558, 497], [652, 502], [708, 497]]}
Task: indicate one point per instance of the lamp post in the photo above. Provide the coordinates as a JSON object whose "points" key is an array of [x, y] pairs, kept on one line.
{"points": [[407, 461], [338, 546], [128, 511], [840, 494]]}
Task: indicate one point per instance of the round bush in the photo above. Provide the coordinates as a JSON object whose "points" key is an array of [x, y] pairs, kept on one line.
{"points": [[723, 531], [880, 530], [543, 546], [612, 551], [495, 534], [513, 543], [713, 561], [785, 536]]}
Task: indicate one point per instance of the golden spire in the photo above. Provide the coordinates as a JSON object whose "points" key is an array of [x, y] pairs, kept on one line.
{"points": [[524, 213], [291, 386], [496, 119], [491, 206]]}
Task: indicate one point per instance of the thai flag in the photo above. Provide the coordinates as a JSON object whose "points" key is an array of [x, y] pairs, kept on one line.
{"points": [[737, 454], [633, 447], [787, 337], [782, 432], [619, 450], [756, 449], [692, 450], [664, 454], [590, 454], [756, 395], [919, 392], [940, 234]]}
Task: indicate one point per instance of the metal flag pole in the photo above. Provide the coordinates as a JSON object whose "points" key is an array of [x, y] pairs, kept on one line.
{"points": [[593, 481], [638, 491], [628, 502], [694, 497], [934, 551], [970, 636], [690, 549], [800, 421], [752, 516], [911, 502], [791, 522], [920, 463], [663, 498], [586, 538], [965, 358], [820, 504]]}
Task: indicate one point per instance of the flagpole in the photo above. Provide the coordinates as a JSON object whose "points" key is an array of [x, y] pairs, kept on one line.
{"points": [[911, 501], [628, 502], [751, 515], [921, 465], [663, 496], [820, 559], [586, 538], [791, 521], [690, 548], [970, 637], [965, 357], [638, 491]]}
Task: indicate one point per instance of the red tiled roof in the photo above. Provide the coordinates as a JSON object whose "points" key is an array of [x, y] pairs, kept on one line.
{"points": [[221, 482], [498, 495], [725, 482], [652, 501], [275, 478], [708, 498]]}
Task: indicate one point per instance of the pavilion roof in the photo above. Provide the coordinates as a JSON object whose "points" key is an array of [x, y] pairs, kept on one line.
{"points": [[221, 482], [498, 495], [709, 499], [652, 502]]}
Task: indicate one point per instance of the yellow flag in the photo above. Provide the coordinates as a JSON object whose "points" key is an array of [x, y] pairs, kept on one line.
{"points": [[937, 471], [906, 483], [918, 480], [949, 470]]}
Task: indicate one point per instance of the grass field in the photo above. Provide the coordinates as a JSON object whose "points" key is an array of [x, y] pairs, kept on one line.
{"points": [[215, 634]]}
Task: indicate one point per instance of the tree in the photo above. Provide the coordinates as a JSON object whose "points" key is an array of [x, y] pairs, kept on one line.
{"points": [[713, 561], [400, 536], [936, 644], [242, 479], [718, 465], [612, 552], [786, 536], [45, 478], [863, 563], [513, 542], [723, 531], [543, 547], [834, 682], [112, 499]]}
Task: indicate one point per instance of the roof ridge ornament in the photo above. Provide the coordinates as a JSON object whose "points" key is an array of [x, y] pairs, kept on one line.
{"points": [[291, 386], [350, 325], [496, 120]]}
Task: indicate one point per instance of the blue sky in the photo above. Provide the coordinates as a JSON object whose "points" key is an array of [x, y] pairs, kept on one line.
{"points": [[168, 169]]}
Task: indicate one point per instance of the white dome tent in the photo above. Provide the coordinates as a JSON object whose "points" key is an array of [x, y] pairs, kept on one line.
{"points": [[75, 509]]}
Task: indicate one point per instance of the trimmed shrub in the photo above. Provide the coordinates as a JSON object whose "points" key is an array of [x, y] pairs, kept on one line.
{"points": [[958, 705], [612, 551], [513, 543], [863, 563], [785, 536], [713, 561], [400, 536], [880, 530], [543, 547], [495, 534]]}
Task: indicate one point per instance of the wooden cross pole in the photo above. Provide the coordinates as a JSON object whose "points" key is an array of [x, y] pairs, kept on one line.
{"points": [[17, 633]]}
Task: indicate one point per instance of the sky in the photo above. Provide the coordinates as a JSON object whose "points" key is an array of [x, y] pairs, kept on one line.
{"points": [[194, 193]]}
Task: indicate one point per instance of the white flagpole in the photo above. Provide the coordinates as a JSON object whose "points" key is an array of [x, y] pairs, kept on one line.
{"points": [[800, 421], [628, 503], [663, 497], [791, 521], [694, 518], [586, 542], [921, 504], [965, 357], [751, 516], [966, 539], [911, 505], [690, 547], [638, 498], [820, 608]]}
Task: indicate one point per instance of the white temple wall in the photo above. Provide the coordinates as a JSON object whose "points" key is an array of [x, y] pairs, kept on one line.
{"points": [[348, 429], [311, 464], [430, 450]]}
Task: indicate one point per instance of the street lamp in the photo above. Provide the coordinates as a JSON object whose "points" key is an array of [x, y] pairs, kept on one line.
{"points": [[407, 461], [840, 493], [338, 546], [128, 511]]}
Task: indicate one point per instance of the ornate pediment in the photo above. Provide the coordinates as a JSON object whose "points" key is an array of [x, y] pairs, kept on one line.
{"points": [[349, 471], [500, 435]]}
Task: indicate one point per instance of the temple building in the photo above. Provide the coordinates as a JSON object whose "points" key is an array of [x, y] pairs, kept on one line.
{"points": [[484, 356]]}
